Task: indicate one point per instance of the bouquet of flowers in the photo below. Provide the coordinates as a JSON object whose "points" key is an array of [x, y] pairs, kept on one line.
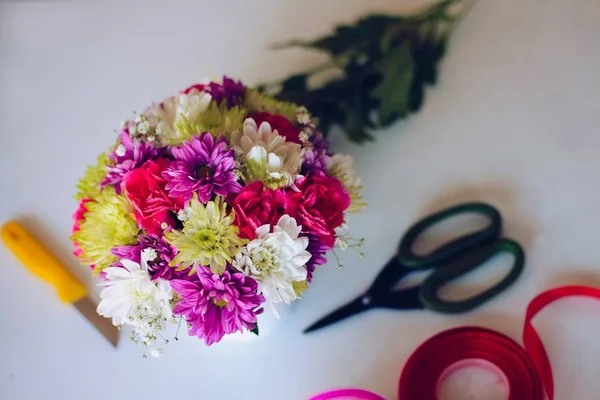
{"points": [[209, 205]]}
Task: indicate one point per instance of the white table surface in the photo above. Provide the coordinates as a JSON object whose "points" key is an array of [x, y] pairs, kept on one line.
{"points": [[515, 120]]}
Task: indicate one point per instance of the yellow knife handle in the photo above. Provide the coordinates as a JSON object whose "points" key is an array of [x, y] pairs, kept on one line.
{"points": [[36, 258]]}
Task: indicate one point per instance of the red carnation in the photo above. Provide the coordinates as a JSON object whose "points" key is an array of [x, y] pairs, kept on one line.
{"points": [[145, 188], [280, 123], [256, 206], [319, 206]]}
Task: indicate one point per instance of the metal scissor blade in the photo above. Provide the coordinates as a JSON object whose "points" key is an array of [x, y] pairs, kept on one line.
{"points": [[355, 307]]}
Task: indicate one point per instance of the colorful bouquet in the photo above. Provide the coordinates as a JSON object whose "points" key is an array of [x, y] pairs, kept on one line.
{"points": [[210, 204]]}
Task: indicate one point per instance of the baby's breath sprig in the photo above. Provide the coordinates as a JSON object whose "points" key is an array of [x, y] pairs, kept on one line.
{"points": [[176, 338], [344, 243], [146, 128], [307, 123], [338, 259], [148, 330]]}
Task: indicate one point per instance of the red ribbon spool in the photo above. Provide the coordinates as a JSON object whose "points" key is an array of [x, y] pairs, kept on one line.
{"points": [[424, 370], [528, 371]]}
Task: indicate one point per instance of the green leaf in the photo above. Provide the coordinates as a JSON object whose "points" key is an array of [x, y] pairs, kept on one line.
{"points": [[294, 83], [255, 330], [355, 127], [351, 38], [387, 62], [416, 96], [378, 23], [394, 90], [427, 54]]}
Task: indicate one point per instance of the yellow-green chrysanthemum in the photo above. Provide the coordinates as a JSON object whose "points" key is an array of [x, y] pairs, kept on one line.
{"points": [[259, 102], [108, 223], [89, 185], [208, 237], [300, 287], [218, 120], [341, 168], [258, 171]]}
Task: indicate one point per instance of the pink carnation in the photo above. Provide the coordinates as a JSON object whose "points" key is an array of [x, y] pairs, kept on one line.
{"points": [[145, 188], [319, 205], [255, 206], [279, 123]]}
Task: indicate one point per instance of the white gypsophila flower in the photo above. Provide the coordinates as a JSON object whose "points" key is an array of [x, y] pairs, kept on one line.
{"points": [[120, 150], [342, 236], [302, 116], [143, 127], [130, 297], [149, 254], [304, 137], [276, 260], [184, 214]]}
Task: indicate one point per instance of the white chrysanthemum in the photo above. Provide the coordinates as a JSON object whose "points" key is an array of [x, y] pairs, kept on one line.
{"points": [[193, 103], [276, 260], [130, 297], [269, 153], [172, 110]]}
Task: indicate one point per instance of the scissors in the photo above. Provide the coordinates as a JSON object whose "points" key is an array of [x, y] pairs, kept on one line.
{"points": [[448, 262]]}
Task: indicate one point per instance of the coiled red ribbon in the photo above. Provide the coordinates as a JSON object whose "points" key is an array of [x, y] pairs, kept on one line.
{"points": [[527, 370]]}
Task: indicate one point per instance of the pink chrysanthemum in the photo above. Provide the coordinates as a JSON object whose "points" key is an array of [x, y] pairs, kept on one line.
{"points": [[127, 156], [203, 165], [216, 305]]}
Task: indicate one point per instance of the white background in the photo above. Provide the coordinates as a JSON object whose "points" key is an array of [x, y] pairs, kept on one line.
{"points": [[515, 120]]}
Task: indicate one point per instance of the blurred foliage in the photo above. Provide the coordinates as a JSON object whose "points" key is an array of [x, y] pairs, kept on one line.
{"points": [[384, 62]]}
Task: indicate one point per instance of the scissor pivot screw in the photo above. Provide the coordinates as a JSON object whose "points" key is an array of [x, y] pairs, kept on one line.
{"points": [[366, 300]]}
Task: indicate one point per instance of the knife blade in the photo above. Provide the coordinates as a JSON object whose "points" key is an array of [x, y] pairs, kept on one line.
{"points": [[41, 262]]}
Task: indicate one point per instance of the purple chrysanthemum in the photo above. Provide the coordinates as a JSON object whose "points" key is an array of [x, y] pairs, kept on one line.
{"points": [[127, 156], [320, 143], [314, 160], [203, 165], [317, 249], [159, 267], [216, 305], [229, 90]]}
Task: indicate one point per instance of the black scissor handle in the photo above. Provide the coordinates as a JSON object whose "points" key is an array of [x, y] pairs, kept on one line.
{"points": [[454, 248], [461, 266]]}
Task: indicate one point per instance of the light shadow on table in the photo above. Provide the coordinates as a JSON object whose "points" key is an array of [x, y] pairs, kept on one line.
{"points": [[58, 247], [517, 224], [390, 368], [574, 275]]}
